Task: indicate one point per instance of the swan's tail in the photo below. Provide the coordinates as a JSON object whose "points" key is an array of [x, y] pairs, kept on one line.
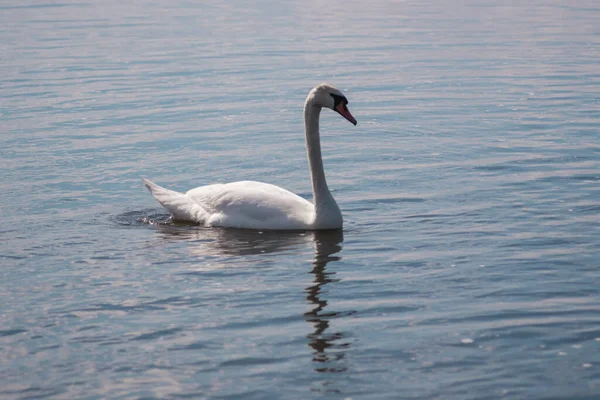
{"points": [[178, 204]]}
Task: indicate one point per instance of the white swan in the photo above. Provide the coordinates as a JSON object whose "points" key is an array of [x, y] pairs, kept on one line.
{"points": [[257, 205]]}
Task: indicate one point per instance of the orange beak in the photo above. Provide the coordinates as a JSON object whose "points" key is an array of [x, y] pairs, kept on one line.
{"points": [[344, 112]]}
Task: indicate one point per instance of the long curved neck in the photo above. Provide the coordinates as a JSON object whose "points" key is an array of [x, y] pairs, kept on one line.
{"points": [[321, 195]]}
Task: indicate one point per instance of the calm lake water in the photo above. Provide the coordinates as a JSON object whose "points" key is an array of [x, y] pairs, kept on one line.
{"points": [[468, 264]]}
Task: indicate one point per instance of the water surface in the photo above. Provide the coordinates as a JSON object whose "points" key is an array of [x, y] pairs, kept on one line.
{"points": [[468, 264]]}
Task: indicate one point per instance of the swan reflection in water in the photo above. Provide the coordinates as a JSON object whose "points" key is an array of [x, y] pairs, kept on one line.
{"points": [[219, 242], [327, 346], [327, 245]]}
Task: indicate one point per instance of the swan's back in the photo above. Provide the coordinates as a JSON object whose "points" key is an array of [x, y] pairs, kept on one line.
{"points": [[256, 205]]}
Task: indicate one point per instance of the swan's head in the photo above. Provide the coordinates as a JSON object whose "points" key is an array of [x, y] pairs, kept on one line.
{"points": [[325, 95]]}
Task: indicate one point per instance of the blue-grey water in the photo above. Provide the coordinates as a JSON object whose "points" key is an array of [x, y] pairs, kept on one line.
{"points": [[468, 267]]}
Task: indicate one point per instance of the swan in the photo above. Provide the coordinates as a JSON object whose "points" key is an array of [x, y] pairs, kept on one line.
{"points": [[258, 205]]}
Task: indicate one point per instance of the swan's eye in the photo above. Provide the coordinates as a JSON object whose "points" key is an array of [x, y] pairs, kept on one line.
{"points": [[338, 99]]}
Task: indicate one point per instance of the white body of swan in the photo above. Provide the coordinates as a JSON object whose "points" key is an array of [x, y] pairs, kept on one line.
{"points": [[257, 205]]}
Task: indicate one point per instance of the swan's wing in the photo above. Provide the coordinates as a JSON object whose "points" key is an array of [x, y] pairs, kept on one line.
{"points": [[257, 205], [178, 204]]}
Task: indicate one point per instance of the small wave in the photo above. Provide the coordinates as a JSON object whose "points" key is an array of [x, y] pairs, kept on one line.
{"points": [[142, 217]]}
